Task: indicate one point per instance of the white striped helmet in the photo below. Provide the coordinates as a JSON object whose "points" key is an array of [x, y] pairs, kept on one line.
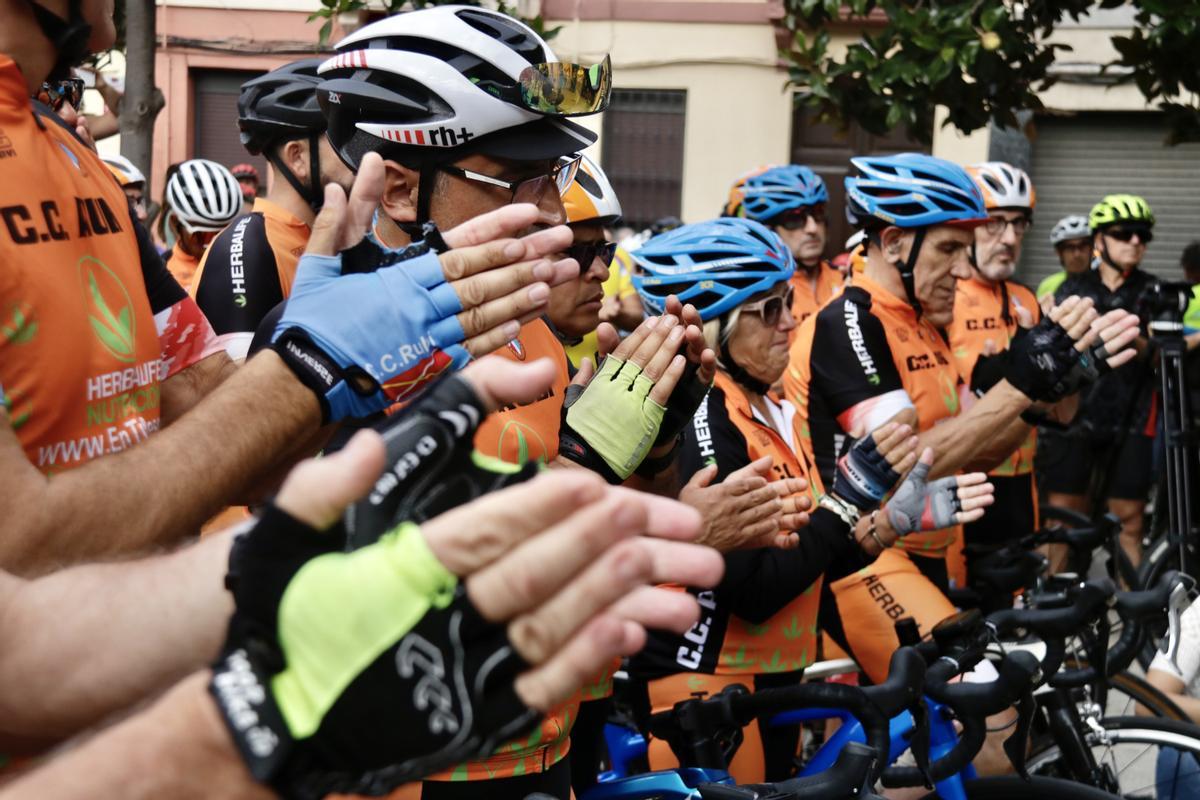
{"points": [[203, 195]]}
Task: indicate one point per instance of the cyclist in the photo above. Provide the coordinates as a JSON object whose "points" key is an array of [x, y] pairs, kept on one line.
{"points": [[132, 182], [1072, 241], [247, 178], [876, 351], [249, 268], [1116, 421], [202, 198], [791, 201], [592, 210], [986, 310], [760, 623], [386, 92]]}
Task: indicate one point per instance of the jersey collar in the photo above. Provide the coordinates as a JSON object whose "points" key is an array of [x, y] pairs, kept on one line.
{"points": [[278, 213]]}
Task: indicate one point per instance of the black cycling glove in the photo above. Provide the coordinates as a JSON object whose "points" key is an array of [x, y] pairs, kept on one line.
{"points": [[432, 465], [1040, 358], [356, 672]]}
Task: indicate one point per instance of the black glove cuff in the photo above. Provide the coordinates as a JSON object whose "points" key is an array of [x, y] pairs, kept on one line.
{"points": [[685, 398], [989, 370], [652, 467], [572, 447], [241, 688], [310, 365]]}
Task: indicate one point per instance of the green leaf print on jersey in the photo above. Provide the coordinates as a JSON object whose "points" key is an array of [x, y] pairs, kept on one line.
{"points": [[18, 412], [738, 659], [777, 663], [109, 308], [794, 630], [949, 394], [757, 630], [19, 328]]}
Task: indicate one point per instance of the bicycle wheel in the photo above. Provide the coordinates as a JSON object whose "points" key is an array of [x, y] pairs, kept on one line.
{"points": [[1136, 757], [1008, 787]]}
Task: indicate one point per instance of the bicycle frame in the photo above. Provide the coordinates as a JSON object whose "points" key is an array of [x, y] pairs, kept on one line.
{"points": [[680, 784]]}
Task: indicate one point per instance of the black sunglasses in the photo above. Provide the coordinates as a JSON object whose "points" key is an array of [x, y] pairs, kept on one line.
{"points": [[1126, 234], [587, 252], [798, 218], [771, 309]]}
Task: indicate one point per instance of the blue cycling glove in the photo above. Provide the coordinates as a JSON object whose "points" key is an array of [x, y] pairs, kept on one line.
{"points": [[864, 476], [364, 341]]}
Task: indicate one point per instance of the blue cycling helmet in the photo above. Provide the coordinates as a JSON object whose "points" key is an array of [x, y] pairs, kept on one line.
{"points": [[716, 266], [765, 193], [911, 190]]}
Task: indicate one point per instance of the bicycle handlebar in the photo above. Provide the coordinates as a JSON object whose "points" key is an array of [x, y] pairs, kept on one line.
{"points": [[972, 703], [842, 781]]}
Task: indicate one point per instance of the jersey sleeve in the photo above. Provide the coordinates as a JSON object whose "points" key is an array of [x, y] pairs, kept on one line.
{"points": [[852, 366], [712, 438], [239, 283], [184, 335]]}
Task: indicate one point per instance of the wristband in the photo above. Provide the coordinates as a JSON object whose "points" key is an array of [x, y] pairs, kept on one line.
{"points": [[685, 398], [848, 513], [651, 467]]}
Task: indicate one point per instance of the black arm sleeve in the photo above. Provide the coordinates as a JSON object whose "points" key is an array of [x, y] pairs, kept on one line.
{"points": [[161, 287], [759, 583], [240, 280]]}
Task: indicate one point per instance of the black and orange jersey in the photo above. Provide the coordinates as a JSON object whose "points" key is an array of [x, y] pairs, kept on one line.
{"points": [[90, 321], [777, 627], [181, 265], [248, 270], [528, 432], [859, 361], [812, 291], [987, 312]]}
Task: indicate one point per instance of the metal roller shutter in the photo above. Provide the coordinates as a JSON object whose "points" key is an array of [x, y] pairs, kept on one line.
{"points": [[1079, 159], [216, 131]]}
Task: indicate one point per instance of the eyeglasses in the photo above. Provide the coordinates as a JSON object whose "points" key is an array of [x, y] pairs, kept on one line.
{"points": [[557, 88], [68, 90], [560, 176], [996, 225], [587, 252], [798, 218], [771, 309], [1145, 235]]}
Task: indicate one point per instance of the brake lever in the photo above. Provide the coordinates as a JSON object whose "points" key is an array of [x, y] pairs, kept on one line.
{"points": [[1177, 603], [918, 743], [1016, 746], [1097, 652]]}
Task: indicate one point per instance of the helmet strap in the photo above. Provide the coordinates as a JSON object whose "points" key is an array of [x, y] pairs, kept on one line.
{"points": [[1108, 260], [909, 267], [69, 36], [312, 194], [735, 370]]}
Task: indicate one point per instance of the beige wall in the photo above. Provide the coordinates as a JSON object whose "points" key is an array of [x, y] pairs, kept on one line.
{"points": [[738, 115]]}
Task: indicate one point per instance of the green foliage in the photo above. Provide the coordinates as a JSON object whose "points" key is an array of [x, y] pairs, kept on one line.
{"points": [[330, 9], [984, 60]]}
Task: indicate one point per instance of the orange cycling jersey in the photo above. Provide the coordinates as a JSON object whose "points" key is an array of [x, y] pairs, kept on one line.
{"points": [[812, 291], [181, 265], [247, 271], [528, 432], [987, 312], [858, 362], [727, 432], [90, 321]]}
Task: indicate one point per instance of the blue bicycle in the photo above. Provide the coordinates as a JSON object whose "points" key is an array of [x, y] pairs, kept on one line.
{"points": [[891, 718]]}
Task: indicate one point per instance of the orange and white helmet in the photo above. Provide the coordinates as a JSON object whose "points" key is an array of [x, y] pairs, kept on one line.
{"points": [[590, 197], [124, 170], [1003, 185]]}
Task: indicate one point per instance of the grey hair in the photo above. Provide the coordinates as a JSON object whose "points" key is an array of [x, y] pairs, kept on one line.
{"points": [[719, 330]]}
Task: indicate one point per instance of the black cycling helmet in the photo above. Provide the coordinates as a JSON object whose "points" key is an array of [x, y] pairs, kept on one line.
{"points": [[281, 106]]}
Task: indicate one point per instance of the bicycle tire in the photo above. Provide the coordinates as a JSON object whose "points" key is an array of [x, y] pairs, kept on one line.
{"points": [[1006, 787], [1131, 773]]}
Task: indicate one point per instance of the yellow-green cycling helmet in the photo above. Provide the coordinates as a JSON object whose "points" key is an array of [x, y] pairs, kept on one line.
{"points": [[1116, 208]]}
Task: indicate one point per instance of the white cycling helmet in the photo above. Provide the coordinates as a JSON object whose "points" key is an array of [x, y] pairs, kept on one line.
{"points": [[446, 81], [203, 195], [1003, 185], [590, 196], [1074, 226], [856, 240], [124, 170]]}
